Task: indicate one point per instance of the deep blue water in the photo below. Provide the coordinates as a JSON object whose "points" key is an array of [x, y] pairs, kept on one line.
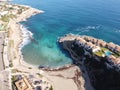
{"points": [[98, 18]]}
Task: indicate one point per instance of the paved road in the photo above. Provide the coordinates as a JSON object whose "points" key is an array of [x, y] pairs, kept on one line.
{"points": [[4, 74], [1, 50], [4, 80]]}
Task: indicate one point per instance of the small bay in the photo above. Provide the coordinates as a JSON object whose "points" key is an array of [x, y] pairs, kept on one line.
{"points": [[97, 18]]}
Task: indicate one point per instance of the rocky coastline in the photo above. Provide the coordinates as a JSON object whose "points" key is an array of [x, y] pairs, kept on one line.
{"points": [[103, 72]]}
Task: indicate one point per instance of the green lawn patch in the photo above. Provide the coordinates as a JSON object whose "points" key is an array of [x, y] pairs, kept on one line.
{"points": [[100, 53], [5, 18]]}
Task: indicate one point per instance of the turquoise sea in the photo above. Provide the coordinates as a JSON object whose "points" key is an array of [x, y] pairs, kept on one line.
{"points": [[98, 18]]}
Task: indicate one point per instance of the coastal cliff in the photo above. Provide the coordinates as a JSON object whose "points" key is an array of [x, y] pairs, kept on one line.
{"points": [[96, 58]]}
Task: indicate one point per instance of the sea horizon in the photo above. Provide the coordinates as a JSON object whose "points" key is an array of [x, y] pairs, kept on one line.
{"points": [[62, 17]]}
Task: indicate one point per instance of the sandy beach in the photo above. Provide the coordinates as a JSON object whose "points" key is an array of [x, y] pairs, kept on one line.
{"points": [[16, 35]]}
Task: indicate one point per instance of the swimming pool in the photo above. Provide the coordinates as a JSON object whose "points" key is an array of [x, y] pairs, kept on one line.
{"points": [[108, 53]]}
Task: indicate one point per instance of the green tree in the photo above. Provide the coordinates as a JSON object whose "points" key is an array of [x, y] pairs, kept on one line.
{"points": [[51, 88]]}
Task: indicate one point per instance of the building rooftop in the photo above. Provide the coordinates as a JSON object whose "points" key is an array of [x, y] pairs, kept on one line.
{"points": [[23, 84]]}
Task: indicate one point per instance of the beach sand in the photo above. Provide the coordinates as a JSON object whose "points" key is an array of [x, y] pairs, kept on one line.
{"points": [[67, 79]]}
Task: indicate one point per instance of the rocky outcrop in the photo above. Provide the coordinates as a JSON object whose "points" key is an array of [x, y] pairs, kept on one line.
{"points": [[103, 74]]}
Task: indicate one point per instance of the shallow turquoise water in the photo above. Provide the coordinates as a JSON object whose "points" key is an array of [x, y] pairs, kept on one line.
{"points": [[98, 18], [108, 53]]}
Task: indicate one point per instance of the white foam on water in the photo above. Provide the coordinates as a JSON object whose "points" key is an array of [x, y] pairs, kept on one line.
{"points": [[26, 34], [87, 28], [118, 31]]}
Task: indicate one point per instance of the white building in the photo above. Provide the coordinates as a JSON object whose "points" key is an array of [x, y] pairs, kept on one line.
{"points": [[3, 13]]}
